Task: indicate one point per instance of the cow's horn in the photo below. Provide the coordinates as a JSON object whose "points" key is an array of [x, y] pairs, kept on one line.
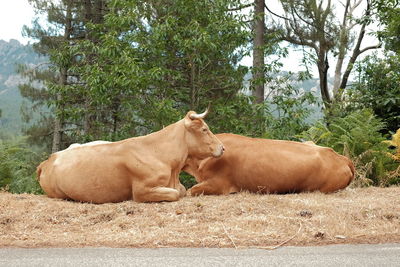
{"points": [[199, 116]]}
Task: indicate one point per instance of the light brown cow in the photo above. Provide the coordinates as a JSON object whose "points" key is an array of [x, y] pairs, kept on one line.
{"points": [[270, 166], [142, 168]]}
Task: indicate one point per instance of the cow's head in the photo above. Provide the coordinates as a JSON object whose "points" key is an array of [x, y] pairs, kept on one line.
{"points": [[202, 143]]}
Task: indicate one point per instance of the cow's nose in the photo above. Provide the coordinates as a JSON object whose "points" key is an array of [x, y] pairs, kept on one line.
{"points": [[223, 148]]}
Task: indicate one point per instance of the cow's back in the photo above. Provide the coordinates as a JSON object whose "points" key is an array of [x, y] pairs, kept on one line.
{"points": [[276, 166]]}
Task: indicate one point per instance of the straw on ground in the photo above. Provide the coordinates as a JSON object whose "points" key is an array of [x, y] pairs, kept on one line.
{"points": [[362, 215]]}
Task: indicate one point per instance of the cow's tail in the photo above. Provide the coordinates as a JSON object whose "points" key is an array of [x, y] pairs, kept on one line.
{"points": [[353, 171], [39, 170]]}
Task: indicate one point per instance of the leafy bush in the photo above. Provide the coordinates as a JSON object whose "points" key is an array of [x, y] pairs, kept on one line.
{"points": [[394, 145], [187, 180], [358, 137], [237, 115], [17, 168], [378, 88], [289, 108]]}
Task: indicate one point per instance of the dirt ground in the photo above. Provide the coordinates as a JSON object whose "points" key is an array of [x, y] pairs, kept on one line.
{"points": [[244, 220]]}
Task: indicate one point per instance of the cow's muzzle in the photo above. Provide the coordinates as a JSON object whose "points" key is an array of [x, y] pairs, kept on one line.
{"points": [[219, 151]]}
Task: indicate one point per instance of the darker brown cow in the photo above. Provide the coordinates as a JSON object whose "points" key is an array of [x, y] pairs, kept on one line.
{"points": [[142, 168], [270, 166]]}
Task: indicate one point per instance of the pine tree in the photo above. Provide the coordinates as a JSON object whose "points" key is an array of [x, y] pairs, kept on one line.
{"points": [[59, 87]]}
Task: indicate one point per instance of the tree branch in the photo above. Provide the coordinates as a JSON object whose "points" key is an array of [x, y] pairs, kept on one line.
{"points": [[315, 25], [370, 47], [357, 51], [292, 40], [240, 7], [279, 16]]}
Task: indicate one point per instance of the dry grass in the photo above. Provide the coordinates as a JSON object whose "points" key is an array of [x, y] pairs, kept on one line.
{"points": [[363, 215]]}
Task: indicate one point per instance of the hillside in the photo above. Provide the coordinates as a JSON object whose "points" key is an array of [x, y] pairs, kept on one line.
{"points": [[13, 53]]}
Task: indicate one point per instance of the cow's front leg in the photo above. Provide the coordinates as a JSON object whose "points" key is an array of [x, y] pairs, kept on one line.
{"points": [[156, 194], [214, 186], [182, 190], [206, 188]]}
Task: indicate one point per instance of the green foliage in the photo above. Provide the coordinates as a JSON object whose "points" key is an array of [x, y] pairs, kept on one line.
{"points": [[389, 16], [358, 137], [17, 167], [350, 136], [143, 65], [394, 146], [378, 88], [237, 115], [187, 180], [149, 63], [289, 109]]}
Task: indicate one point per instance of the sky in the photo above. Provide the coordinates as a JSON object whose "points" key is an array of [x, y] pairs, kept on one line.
{"points": [[14, 14]]}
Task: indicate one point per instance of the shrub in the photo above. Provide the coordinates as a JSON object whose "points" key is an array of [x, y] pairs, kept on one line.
{"points": [[394, 146], [378, 88], [290, 109], [187, 180], [17, 167]]}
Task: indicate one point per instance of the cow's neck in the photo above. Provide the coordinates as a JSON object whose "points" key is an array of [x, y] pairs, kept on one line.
{"points": [[169, 144]]}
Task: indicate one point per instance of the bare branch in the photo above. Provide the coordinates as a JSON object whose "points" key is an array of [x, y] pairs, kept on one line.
{"points": [[356, 4], [351, 25], [357, 51], [295, 41], [350, 13], [292, 24], [301, 18], [327, 11], [294, 11], [370, 47], [279, 16]]}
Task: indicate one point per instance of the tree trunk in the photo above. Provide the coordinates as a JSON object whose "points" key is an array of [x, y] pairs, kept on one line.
{"points": [[338, 74], [58, 121], [192, 84], [94, 13], [323, 66], [343, 41], [63, 79], [356, 50], [115, 116], [258, 51]]}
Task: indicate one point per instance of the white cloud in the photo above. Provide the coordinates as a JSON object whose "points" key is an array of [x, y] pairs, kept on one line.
{"points": [[14, 14]]}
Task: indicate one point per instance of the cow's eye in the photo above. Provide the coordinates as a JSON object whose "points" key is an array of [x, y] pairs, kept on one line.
{"points": [[204, 130]]}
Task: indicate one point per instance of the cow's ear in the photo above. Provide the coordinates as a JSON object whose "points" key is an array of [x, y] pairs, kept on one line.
{"points": [[188, 115], [192, 123]]}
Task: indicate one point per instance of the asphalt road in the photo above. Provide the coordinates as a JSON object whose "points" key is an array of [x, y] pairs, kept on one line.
{"points": [[336, 255]]}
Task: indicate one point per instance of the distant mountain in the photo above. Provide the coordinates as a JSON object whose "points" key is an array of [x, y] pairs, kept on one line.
{"points": [[13, 53]]}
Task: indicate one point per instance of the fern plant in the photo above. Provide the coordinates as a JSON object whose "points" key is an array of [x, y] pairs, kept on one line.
{"points": [[394, 176], [395, 142], [358, 137]]}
